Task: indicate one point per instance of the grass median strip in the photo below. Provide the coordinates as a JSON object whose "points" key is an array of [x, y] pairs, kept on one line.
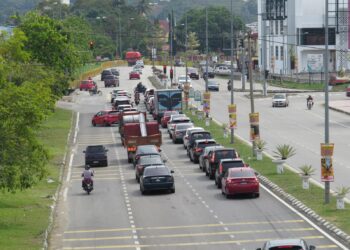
{"points": [[290, 182], [24, 216]]}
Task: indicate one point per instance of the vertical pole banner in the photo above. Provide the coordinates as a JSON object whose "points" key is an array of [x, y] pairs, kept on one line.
{"points": [[232, 112], [327, 169], [206, 102], [254, 126]]}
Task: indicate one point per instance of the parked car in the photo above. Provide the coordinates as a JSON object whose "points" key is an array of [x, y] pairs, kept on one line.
{"points": [[166, 117], [224, 165], [204, 156], [348, 91], [188, 131], [105, 118], [213, 85], [111, 81], [145, 150], [198, 148], [157, 178], [105, 73], [145, 161], [193, 73], [214, 158], [175, 119], [280, 100], [196, 135], [96, 155], [291, 244], [240, 181], [134, 75], [180, 130]]}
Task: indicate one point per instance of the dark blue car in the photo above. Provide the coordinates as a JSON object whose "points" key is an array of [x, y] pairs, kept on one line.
{"points": [[157, 178]]}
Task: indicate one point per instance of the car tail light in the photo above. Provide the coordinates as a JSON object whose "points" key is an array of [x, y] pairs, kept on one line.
{"points": [[198, 150], [132, 148], [178, 132], [220, 169], [139, 167]]}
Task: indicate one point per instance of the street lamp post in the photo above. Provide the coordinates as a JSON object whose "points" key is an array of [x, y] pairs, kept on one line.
{"points": [[207, 48], [232, 96], [186, 46], [250, 68]]}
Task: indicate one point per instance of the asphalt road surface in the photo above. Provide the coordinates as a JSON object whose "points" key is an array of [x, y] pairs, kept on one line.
{"points": [[116, 216]]}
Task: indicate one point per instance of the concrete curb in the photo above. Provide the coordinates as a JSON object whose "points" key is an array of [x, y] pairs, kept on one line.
{"points": [[58, 190], [340, 110]]}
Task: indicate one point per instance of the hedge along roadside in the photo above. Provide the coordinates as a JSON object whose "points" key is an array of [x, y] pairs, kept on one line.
{"points": [[96, 71], [288, 186]]}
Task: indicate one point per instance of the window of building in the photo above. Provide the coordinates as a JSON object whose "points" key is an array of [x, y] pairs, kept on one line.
{"points": [[271, 51], [316, 36], [271, 27], [282, 52], [281, 27], [276, 27], [277, 48]]}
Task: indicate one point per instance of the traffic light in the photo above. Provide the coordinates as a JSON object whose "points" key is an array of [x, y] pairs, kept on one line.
{"points": [[91, 45], [164, 69], [241, 43], [171, 73]]}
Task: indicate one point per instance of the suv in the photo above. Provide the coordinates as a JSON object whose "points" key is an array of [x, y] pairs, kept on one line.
{"points": [[205, 153], [193, 73], [188, 131], [198, 147], [111, 81], [96, 155], [214, 158], [224, 165], [196, 135], [180, 130], [105, 73]]}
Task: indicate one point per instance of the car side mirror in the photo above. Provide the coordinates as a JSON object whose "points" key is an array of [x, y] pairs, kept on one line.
{"points": [[165, 160], [159, 150], [172, 171], [84, 151], [312, 247]]}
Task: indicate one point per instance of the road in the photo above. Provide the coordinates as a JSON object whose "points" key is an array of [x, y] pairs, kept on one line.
{"points": [[295, 125], [197, 216]]}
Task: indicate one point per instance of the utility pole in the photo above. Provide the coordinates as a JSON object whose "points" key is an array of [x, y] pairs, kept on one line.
{"points": [[171, 44], [326, 97], [264, 55], [232, 96], [120, 38], [250, 68], [186, 47], [207, 48]]}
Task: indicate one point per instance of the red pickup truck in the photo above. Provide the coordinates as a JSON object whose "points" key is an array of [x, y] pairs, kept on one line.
{"points": [[105, 118], [87, 85]]}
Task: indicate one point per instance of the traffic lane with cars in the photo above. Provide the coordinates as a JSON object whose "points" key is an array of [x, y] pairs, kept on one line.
{"points": [[249, 220]]}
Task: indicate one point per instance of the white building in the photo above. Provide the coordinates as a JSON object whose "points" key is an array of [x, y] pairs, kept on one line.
{"points": [[296, 44]]}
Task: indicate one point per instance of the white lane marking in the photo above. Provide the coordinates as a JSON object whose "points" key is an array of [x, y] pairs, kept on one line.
{"points": [[70, 167], [76, 129], [304, 218], [65, 192], [72, 154]]}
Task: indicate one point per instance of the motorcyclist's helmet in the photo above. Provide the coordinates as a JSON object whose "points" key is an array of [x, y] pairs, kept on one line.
{"points": [[87, 167]]}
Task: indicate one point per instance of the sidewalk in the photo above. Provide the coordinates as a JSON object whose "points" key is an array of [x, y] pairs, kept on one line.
{"points": [[342, 106]]}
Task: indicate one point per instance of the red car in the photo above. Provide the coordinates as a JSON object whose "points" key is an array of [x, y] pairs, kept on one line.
{"points": [[86, 85], [240, 181], [166, 117], [105, 118], [134, 75]]}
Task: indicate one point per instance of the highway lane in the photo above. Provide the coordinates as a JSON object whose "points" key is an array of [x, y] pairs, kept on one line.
{"points": [[197, 216], [295, 125]]}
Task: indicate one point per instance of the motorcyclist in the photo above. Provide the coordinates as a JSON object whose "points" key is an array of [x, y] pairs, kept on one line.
{"points": [[87, 175], [309, 98]]}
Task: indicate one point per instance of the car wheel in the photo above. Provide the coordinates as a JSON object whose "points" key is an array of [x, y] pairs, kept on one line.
{"points": [[195, 159], [257, 195], [191, 159], [81, 89], [219, 184], [172, 190], [94, 124], [227, 196], [129, 160]]}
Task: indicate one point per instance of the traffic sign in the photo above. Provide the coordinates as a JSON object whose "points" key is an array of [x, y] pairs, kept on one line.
{"points": [[197, 96]]}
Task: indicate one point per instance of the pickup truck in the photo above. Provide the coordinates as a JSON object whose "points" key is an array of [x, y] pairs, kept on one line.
{"points": [[96, 155], [111, 81], [87, 85], [105, 118]]}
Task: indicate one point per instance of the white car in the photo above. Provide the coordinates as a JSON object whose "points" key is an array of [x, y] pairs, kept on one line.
{"points": [[140, 63], [280, 100], [188, 131], [222, 70], [181, 80]]}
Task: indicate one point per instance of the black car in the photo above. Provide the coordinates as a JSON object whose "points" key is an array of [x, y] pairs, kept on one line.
{"points": [[157, 178], [111, 81], [211, 73], [145, 150], [198, 148], [196, 135], [193, 73], [214, 158], [105, 73], [224, 165], [96, 155], [115, 72], [145, 161]]}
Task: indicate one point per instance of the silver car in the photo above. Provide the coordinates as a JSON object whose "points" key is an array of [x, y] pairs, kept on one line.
{"points": [[280, 100], [180, 130], [188, 131]]}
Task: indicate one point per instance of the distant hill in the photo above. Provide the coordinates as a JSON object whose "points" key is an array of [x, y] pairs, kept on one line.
{"points": [[10, 7]]}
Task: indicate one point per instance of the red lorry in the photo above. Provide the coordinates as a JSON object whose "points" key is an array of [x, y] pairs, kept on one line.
{"points": [[132, 56], [137, 131]]}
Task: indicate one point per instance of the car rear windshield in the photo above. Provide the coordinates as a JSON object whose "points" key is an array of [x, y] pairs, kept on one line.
{"points": [[292, 247], [181, 121], [148, 160], [242, 174], [109, 77], [206, 144], [93, 149], [184, 126], [156, 171], [198, 136], [232, 164], [147, 150], [221, 154]]}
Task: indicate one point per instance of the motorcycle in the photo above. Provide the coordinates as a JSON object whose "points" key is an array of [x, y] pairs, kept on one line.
{"points": [[88, 185], [310, 103]]}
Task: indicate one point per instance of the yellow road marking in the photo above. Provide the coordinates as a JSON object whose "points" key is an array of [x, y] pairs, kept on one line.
{"points": [[189, 244], [192, 234], [185, 226]]}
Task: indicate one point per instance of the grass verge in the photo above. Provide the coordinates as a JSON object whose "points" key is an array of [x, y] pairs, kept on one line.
{"points": [[24, 216], [290, 182]]}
